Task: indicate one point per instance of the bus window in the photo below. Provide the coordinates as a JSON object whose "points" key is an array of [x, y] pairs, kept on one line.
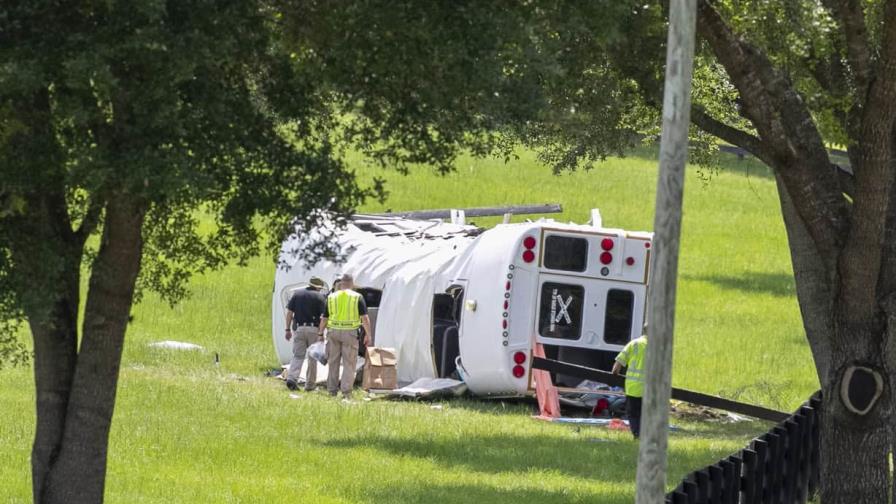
{"points": [[372, 297], [618, 319], [566, 253], [560, 315]]}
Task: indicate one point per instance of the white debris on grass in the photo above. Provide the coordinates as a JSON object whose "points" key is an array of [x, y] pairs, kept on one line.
{"points": [[430, 387], [175, 345]]}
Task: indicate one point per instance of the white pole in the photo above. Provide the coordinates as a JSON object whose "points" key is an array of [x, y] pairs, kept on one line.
{"points": [[651, 480]]}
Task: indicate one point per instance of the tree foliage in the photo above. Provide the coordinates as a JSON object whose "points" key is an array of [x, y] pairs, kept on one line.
{"points": [[136, 124]]}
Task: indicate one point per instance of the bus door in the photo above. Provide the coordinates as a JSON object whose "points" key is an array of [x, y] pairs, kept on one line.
{"points": [[568, 313]]}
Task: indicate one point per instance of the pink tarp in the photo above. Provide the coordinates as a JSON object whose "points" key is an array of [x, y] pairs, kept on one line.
{"points": [[545, 391]]}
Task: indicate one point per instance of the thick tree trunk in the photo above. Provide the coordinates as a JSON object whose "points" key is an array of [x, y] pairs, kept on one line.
{"points": [[855, 447], [47, 255], [812, 284], [55, 347], [78, 472]]}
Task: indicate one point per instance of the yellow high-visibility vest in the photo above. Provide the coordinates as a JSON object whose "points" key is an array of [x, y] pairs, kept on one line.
{"points": [[343, 310], [633, 358]]}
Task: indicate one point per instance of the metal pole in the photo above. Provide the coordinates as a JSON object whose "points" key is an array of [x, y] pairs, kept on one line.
{"points": [[651, 480]]}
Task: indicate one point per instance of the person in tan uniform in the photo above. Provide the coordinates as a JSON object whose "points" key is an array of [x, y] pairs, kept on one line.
{"points": [[302, 319], [343, 315]]}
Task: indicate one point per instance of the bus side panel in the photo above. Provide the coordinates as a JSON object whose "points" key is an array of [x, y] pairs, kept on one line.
{"points": [[522, 311]]}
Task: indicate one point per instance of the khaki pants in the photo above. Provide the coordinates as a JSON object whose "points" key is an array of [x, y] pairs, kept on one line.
{"points": [[302, 338], [342, 344]]}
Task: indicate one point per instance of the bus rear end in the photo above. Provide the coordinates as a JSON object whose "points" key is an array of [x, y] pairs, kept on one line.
{"points": [[579, 291]]}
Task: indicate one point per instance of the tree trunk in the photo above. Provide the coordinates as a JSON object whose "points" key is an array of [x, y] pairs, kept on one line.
{"points": [[78, 472], [854, 460], [47, 258], [812, 280], [55, 347], [855, 448]]}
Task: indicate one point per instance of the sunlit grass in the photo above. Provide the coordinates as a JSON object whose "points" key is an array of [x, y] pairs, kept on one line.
{"points": [[187, 430]]}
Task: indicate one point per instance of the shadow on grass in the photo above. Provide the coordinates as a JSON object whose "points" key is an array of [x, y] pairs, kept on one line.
{"points": [[596, 457], [503, 453], [423, 492], [776, 284]]}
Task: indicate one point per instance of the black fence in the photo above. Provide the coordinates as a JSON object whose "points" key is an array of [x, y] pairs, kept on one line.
{"points": [[779, 467]]}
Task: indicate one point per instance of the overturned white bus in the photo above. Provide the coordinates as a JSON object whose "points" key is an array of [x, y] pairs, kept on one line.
{"points": [[450, 296]]}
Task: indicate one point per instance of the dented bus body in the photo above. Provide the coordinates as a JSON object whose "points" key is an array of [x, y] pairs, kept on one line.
{"points": [[458, 300]]}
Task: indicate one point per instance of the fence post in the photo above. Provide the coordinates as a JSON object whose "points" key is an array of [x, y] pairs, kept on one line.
{"points": [[774, 466], [734, 493], [761, 448], [679, 497], [716, 483], [690, 488], [807, 441], [748, 480], [794, 445], [815, 476]]}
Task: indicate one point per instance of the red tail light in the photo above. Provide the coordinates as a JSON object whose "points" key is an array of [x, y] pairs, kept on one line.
{"points": [[519, 357], [529, 243], [606, 258], [607, 244], [519, 371]]}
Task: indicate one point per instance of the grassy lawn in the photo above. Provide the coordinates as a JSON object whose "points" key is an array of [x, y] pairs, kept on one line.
{"points": [[186, 430]]}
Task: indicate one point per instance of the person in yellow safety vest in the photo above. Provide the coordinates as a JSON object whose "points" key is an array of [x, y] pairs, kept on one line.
{"points": [[632, 357], [344, 314]]}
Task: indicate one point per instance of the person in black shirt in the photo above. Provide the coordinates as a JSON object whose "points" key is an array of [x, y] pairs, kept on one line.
{"points": [[302, 318]]}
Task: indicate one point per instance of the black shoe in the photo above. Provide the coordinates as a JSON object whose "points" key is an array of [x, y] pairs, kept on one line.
{"points": [[291, 385]]}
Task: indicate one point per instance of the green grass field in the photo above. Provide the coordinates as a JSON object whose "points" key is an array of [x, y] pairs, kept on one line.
{"points": [[186, 430]]}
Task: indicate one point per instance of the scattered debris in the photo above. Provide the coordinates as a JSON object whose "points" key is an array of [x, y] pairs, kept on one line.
{"points": [[436, 407], [175, 345], [426, 388], [294, 396], [688, 411]]}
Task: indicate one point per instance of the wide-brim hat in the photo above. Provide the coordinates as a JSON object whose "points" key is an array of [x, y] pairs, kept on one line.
{"points": [[317, 283]]}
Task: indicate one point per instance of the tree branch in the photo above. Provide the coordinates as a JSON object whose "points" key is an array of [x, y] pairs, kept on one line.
{"points": [[730, 134], [852, 20], [795, 147], [881, 99], [864, 258]]}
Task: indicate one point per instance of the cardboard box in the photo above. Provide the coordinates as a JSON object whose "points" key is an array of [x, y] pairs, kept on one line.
{"points": [[379, 370]]}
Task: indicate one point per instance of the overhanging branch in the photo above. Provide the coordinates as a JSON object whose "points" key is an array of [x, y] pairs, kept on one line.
{"points": [[730, 134], [792, 143]]}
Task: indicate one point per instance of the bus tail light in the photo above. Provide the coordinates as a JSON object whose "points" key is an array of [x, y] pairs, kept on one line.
{"points": [[529, 244], [518, 371], [519, 357]]}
